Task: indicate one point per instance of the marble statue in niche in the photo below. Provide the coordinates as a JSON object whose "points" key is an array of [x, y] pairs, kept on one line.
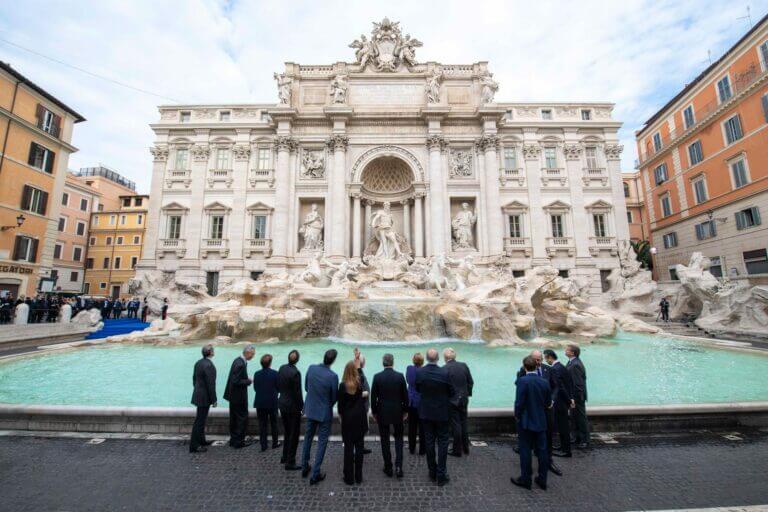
{"points": [[312, 230], [432, 88], [462, 225], [283, 88], [489, 88], [339, 90]]}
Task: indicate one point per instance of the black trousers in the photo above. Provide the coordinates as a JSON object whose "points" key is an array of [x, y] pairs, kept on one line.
{"points": [[397, 430], [563, 425], [530, 441], [198, 428], [437, 432], [415, 427], [291, 432], [580, 422], [238, 423], [353, 461], [459, 428], [267, 415], [665, 314]]}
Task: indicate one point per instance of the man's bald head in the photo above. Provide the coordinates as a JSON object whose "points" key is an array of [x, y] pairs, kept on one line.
{"points": [[433, 355], [536, 355]]}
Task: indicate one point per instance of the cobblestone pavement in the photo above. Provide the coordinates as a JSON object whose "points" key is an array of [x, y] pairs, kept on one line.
{"points": [[704, 469]]}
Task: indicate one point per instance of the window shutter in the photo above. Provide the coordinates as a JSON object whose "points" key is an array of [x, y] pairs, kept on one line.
{"points": [[33, 250], [765, 107], [49, 162], [56, 126], [712, 228], [43, 202], [32, 153], [756, 215], [699, 232], [17, 248], [40, 114], [739, 220], [25, 197]]}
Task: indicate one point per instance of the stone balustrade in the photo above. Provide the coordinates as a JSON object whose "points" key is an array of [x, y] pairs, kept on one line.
{"points": [[256, 176], [257, 246], [176, 246], [223, 176]]}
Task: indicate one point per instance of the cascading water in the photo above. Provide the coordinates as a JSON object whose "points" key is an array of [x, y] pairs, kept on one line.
{"points": [[476, 329]]}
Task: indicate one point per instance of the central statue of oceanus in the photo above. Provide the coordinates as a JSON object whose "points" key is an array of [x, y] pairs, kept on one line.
{"points": [[386, 243]]}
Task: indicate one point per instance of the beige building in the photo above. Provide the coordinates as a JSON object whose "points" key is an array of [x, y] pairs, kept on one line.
{"points": [[633, 194]]}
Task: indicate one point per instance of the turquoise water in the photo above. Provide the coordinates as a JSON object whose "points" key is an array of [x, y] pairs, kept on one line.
{"points": [[636, 369]]}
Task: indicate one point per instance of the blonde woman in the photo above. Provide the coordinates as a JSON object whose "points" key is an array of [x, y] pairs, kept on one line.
{"points": [[354, 423]]}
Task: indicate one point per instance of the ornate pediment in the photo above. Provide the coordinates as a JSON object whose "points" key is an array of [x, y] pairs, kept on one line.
{"points": [[387, 49], [174, 206], [557, 205], [259, 206], [217, 206], [514, 206], [599, 205]]}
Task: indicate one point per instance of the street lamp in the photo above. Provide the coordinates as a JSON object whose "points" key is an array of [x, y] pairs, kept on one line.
{"points": [[19, 221], [653, 260]]}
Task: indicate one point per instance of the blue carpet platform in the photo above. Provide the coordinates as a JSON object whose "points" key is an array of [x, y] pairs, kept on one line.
{"points": [[116, 326]]}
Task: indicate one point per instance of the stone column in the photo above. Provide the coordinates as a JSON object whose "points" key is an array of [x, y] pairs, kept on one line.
{"points": [[367, 226], [613, 168], [407, 220], [154, 229], [280, 226], [418, 227], [539, 224], [436, 143], [356, 252], [579, 216], [338, 196], [495, 229]]}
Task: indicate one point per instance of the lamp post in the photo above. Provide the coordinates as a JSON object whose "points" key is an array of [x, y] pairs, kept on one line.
{"points": [[653, 261], [19, 221]]}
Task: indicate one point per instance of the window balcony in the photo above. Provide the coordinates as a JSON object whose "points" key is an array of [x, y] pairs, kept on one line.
{"points": [[557, 244], [180, 177], [257, 246], [515, 177], [553, 174], [223, 176], [514, 245], [590, 175], [218, 246], [602, 243], [256, 176], [177, 246]]}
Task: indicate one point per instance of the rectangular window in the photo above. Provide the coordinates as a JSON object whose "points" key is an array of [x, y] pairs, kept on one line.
{"points": [[93, 240], [765, 107], [222, 158], [706, 230], [518, 273], [34, 200], [259, 226], [670, 240], [586, 114], [138, 201], [217, 227], [77, 253], [224, 115], [41, 158], [112, 219], [134, 261], [89, 263], [136, 240], [716, 266], [57, 251], [263, 161], [105, 263], [660, 174], [174, 227], [748, 218], [756, 261], [182, 159], [673, 274], [733, 130], [118, 260], [656, 141], [184, 117], [515, 226], [629, 216], [695, 153], [84, 205], [87, 287], [123, 218], [55, 275], [256, 274], [25, 249], [605, 283], [48, 121], [666, 205], [550, 158], [126, 202], [73, 276], [109, 240], [62, 224], [119, 241], [563, 273], [739, 173], [700, 189], [557, 226], [80, 229], [724, 89], [139, 219], [510, 158], [212, 283], [591, 154], [546, 114], [65, 199], [96, 220], [688, 117], [599, 222]]}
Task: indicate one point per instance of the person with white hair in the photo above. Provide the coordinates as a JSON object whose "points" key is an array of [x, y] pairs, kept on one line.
{"points": [[435, 389], [462, 384], [236, 393]]}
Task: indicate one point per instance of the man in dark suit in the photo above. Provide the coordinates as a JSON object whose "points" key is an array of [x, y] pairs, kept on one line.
{"points": [[435, 387], [461, 380], [203, 397], [236, 393], [389, 402], [265, 402], [291, 403], [562, 397], [533, 397], [321, 385], [579, 376]]}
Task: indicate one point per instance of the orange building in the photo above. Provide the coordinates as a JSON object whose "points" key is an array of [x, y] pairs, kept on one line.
{"points": [[703, 162], [35, 135], [633, 194]]}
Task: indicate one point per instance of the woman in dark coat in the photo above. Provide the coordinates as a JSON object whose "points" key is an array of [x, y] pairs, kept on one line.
{"points": [[354, 423]]}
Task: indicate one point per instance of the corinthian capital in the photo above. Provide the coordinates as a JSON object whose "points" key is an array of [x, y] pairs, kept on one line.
{"points": [[285, 143], [531, 151], [241, 152], [201, 152], [337, 142], [437, 142], [572, 151], [487, 143], [613, 151], [159, 153]]}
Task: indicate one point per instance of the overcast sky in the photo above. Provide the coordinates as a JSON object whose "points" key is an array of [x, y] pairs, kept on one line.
{"points": [[637, 54]]}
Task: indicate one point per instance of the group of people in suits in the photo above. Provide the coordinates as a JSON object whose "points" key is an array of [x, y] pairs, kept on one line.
{"points": [[549, 398]]}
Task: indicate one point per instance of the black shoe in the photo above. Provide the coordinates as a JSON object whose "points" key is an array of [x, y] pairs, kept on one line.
{"points": [[199, 449], [264, 448], [317, 480], [561, 454], [349, 482], [282, 460], [516, 449], [366, 451], [582, 446], [519, 482], [554, 469], [277, 445], [388, 472], [424, 452], [454, 454], [442, 481], [292, 467], [466, 451], [206, 443], [432, 476], [358, 481], [542, 485], [399, 472], [305, 471]]}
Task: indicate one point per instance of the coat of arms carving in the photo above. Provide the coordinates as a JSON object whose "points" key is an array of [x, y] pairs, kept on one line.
{"points": [[387, 49]]}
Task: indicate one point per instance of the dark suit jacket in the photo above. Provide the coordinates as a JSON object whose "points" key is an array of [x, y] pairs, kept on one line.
{"points": [[389, 397], [321, 385], [265, 385], [579, 375], [353, 414], [435, 387], [236, 391], [546, 374], [531, 402], [461, 380], [204, 382], [289, 385], [563, 390]]}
